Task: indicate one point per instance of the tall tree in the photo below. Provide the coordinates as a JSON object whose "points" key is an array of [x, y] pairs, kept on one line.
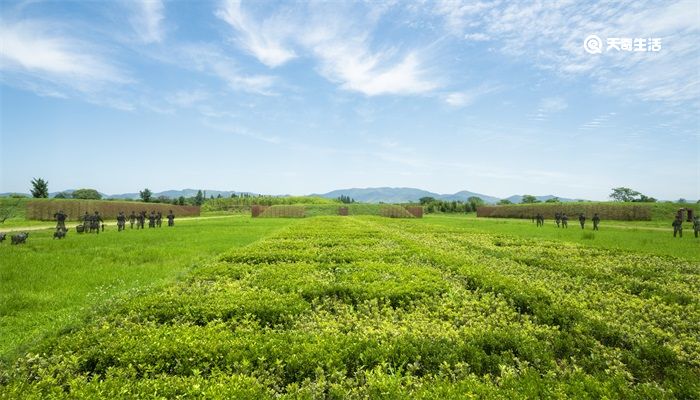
{"points": [[40, 188], [624, 194], [199, 198], [145, 195], [475, 202], [346, 199], [529, 199]]}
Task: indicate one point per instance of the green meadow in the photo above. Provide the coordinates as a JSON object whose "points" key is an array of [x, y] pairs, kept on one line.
{"points": [[448, 306], [642, 237], [48, 285]]}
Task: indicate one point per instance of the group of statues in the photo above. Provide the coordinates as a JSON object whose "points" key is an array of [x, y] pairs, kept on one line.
{"points": [[155, 219], [16, 239], [678, 226], [91, 223], [94, 223], [562, 220]]}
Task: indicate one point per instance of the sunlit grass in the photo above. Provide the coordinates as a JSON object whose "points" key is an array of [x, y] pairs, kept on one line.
{"points": [[47, 284], [641, 237]]}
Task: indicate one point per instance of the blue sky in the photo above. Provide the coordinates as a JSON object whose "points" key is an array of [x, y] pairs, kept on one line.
{"points": [[494, 97]]}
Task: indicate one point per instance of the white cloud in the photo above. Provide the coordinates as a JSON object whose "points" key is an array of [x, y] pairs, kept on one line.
{"points": [[368, 73], [553, 104], [339, 40], [547, 107], [262, 39], [459, 99], [36, 56], [187, 98], [458, 13], [147, 20], [466, 98], [601, 121], [235, 129], [477, 37], [209, 59], [550, 35]]}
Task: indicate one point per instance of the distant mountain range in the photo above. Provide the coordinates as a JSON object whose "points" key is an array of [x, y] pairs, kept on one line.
{"points": [[400, 195], [365, 195], [405, 195]]}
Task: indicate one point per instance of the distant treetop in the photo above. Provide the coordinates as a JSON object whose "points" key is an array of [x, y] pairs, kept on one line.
{"points": [[625, 194], [86, 194], [40, 188]]}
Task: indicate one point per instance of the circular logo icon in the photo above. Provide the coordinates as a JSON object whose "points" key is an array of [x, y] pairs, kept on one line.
{"points": [[593, 44]]}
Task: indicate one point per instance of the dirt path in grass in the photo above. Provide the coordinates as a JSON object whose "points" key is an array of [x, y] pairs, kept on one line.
{"points": [[107, 223], [687, 225]]}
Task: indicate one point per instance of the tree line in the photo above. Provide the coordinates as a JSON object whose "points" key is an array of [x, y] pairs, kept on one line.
{"points": [[433, 205], [40, 189]]}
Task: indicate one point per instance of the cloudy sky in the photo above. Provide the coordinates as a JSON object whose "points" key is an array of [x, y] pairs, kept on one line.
{"points": [[495, 97]]}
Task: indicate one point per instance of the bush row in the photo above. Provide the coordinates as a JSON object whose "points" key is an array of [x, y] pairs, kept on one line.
{"points": [[622, 212], [44, 210]]}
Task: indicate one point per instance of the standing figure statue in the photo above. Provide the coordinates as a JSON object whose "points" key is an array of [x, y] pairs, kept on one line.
{"points": [[596, 221], [152, 219], [60, 217], [564, 221], [141, 220], [96, 222], [540, 219], [557, 218], [582, 220], [696, 225], [677, 227], [679, 214], [86, 222], [132, 219], [91, 223], [171, 220], [121, 221], [159, 219]]}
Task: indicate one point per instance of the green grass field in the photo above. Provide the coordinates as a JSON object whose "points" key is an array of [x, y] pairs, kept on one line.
{"points": [[47, 285], [642, 237], [353, 307]]}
